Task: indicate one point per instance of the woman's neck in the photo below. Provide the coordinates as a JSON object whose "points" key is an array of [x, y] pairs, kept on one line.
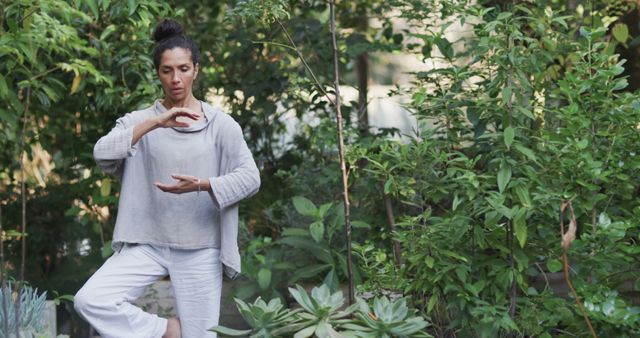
{"points": [[189, 102]]}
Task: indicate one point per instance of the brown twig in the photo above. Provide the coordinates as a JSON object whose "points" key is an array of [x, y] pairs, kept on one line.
{"points": [[5, 309], [304, 62], [567, 239], [343, 166]]}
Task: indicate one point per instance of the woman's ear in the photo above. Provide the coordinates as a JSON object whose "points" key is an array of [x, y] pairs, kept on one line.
{"points": [[196, 70]]}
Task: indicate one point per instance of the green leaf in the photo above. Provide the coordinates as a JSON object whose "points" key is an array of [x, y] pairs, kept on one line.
{"points": [[456, 202], [264, 278], [230, 332], [582, 144], [504, 15], [107, 32], [295, 232], [520, 226], [523, 195], [4, 89], [445, 47], [504, 176], [387, 185], [554, 265], [132, 6], [430, 261], [105, 187], [322, 211], [320, 251], [304, 206], [585, 32], [317, 231], [93, 6], [306, 332], [454, 255], [360, 224], [432, 302], [621, 32], [506, 94], [107, 250], [9, 118], [620, 84], [528, 153], [509, 135]]}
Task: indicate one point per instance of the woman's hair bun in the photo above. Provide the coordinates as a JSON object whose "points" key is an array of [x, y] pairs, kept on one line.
{"points": [[166, 29]]}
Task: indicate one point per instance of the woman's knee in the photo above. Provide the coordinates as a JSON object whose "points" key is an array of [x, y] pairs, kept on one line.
{"points": [[81, 301], [87, 301]]}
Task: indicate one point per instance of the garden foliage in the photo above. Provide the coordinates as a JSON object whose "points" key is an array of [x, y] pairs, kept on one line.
{"points": [[527, 108]]}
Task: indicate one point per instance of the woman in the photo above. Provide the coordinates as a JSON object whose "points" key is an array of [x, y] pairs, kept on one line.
{"points": [[185, 228]]}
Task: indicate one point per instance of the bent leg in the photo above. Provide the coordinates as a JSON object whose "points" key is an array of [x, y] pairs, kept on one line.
{"points": [[196, 276], [105, 299]]}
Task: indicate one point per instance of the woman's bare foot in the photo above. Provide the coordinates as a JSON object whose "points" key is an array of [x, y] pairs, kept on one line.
{"points": [[173, 328]]}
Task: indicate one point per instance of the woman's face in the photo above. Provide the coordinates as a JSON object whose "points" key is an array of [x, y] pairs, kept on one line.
{"points": [[177, 73]]}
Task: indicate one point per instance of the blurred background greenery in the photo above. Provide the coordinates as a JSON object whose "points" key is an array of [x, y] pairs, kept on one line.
{"points": [[467, 124]]}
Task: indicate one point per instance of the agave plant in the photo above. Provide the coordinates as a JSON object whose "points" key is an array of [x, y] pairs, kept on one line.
{"points": [[264, 318], [386, 319], [321, 315], [31, 315]]}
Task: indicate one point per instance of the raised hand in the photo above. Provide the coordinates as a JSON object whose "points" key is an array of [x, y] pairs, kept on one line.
{"points": [[169, 118]]}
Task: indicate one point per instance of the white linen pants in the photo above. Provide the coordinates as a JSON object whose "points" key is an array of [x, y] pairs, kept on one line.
{"points": [[196, 276]]}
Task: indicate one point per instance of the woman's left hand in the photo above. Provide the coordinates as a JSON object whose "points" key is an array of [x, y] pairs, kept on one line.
{"points": [[186, 183]]}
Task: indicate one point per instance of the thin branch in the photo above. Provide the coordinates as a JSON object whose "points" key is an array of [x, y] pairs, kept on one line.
{"points": [[304, 62], [46, 72], [343, 167], [257, 42], [567, 239], [544, 275], [388, 207], [23, 194], [5, 308]]}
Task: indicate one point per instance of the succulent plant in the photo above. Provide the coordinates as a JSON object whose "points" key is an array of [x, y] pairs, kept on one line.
{"points": [[387, 319], [31, 314], [322, 313], [264, 318]]}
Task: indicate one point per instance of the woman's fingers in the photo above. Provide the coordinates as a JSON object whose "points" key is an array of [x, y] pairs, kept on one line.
{"points": [[184, 111], [184, 177], [189, 115], [181, 124], [172, 188], [183, 185]]}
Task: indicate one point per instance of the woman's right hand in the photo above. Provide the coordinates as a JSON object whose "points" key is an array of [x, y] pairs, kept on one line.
{"points": [[168, 119]]}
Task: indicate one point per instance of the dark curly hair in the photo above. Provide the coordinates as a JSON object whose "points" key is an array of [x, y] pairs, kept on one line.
{"points": [[169, 34]]}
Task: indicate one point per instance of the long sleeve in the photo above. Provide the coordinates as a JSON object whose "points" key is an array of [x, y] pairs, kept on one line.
{"points": [[243, 178], [111, 149]]}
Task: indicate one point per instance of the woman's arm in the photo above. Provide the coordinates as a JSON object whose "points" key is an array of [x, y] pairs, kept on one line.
{"points": [[242, 181], [120, 143]]}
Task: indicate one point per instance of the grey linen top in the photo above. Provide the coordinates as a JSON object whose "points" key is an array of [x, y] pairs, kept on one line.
{"points": [[212, 148]]}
